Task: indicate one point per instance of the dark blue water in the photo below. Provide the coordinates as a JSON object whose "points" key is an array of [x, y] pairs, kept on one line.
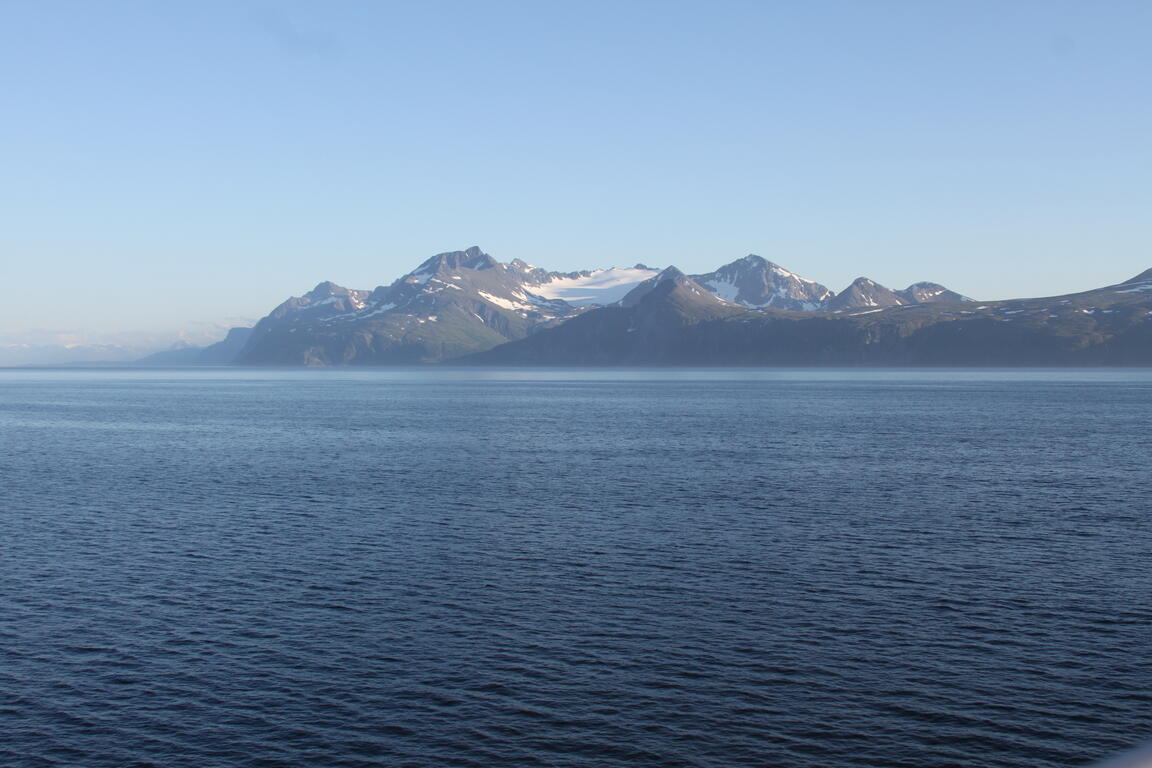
{"points": [[685, 568]]}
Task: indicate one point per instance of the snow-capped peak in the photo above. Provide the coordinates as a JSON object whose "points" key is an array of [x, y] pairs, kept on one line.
{"points": [[753, 281]]}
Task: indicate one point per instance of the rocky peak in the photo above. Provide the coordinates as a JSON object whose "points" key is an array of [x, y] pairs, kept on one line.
{"points": [[326, 290], [922, 293], [472, 258], [666, 275], [756, 282], [676, 287], [865, 293]]}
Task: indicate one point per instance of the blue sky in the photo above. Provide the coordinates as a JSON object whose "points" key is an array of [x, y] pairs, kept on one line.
{"points": [[165, 163]]}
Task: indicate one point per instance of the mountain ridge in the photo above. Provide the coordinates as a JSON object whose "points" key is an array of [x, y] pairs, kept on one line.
{"points": [[1105, 326], [467, 306], [457, 303]]}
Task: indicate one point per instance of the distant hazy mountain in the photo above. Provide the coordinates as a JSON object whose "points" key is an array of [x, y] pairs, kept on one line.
{"points": [[60, 354], [220, 353], [73, 347], [669, 324]]}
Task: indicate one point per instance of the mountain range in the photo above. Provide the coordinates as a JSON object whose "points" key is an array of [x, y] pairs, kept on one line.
{"points": [[466, 307]]}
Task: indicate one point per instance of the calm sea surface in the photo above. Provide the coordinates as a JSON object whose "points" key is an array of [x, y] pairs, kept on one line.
{"points": [[574, 568]]}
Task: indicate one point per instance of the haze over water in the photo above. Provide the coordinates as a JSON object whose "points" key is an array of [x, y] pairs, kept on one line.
{"points": [[574, 568]]}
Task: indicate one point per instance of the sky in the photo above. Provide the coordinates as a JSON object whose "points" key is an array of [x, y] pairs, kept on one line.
{"points": [[170, 165]]}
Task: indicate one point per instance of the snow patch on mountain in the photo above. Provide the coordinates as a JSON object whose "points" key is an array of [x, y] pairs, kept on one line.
{"points": [[725, 289], [778, 270], [599, 286], [755, 282], [505, 303]]}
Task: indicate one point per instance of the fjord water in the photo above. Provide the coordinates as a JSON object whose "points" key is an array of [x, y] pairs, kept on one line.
{"points": [[574, 568]]}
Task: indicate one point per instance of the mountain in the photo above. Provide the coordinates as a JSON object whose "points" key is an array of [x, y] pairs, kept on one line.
{"points": [[756, 282], [18, 355], [864, 293], [669, 324], [48, 347], [220, 353], [648, 324], [453, 304], [682, 295], [461, 303], [922, 293], [753, 281], [465, 306]]}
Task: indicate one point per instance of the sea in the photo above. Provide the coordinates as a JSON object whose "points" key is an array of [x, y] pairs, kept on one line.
{"points": [[425, 567]]}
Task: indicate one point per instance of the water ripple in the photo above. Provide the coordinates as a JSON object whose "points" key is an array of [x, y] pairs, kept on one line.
{"points": [[423, 569]]}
